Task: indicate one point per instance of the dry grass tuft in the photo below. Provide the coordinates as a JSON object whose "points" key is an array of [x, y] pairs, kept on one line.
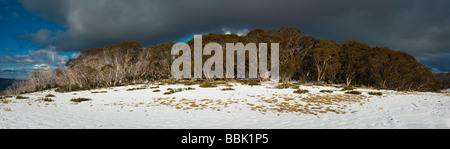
{"points": [[22, 97], [227, 89], [300, 91], [375, 93], [40, 99], [353, 92], [171, 91], [80, 99], [50, 95], [348, 88]]}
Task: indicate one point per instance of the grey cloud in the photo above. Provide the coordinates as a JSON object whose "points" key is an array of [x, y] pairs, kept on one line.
{"points": [[50, 9], [42, 36], [413, 26]]}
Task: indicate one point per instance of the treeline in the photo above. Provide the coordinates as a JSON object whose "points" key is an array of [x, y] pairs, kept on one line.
{"points": [[303, 58], [445, 79], [111, 65]]}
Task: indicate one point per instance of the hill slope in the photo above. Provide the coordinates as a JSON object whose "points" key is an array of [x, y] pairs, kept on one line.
{"points": [[302, 58]]}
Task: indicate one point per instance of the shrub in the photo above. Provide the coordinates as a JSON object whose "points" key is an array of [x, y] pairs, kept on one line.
{"points": [[171, 91], [300, 91], [376, 93], [80, 99], [353, 92], [284, 86], [189, 88], [253, 83], [95, 92], [347, 88], [63, 89], [248, 82], [50, 95], [137, 88], [45, 99], [191, 83], [22, 97], [227, 89], [326, 91], [207, 84], [5, 101]]}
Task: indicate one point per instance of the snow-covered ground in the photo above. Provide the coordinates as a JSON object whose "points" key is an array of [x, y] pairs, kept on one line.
{"points": [[245, 107]]}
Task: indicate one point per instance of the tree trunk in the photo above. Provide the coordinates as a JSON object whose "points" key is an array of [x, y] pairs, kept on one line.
{"points": [[348, 80]]}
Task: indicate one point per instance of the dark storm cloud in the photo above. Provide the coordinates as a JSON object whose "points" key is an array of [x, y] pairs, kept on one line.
{"points": [[419, 27]]}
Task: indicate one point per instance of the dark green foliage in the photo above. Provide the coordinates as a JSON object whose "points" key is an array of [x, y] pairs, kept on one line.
{"points": [[300, 91], [45, 99], [346, 88], [207, 84], [326, 91], [50, 95], [287, 85], [63, 89], [22, 97], [375, 93], [249, 82], [445, 79], [80, 99], [96, 92], [353, 92], [227, 89]]}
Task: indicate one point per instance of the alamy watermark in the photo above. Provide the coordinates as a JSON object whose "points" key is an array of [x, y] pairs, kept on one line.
{"points": [[205, 69]]}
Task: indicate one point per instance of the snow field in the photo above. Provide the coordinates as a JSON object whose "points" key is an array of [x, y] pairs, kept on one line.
{"points": [[191, 106]]}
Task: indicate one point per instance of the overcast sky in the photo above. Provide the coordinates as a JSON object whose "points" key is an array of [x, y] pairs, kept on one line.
{"points": [[49, 32]]}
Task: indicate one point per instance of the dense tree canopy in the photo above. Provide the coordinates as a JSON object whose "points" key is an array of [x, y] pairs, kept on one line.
{"points": [[302, 57]]}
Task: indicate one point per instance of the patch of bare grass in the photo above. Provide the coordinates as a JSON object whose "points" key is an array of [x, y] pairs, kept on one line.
{"points": [[375, 93], [207, 85], [348, 88], [137, 88], [50, 95], [4, 101], [171, 91], [326, 91], [22, 97], [40, 99], [301, 91], [353, 92], [80, 99], [227, 89]]}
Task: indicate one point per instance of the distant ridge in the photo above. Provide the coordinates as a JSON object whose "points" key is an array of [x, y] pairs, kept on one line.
{"points": [[4, 83]]}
